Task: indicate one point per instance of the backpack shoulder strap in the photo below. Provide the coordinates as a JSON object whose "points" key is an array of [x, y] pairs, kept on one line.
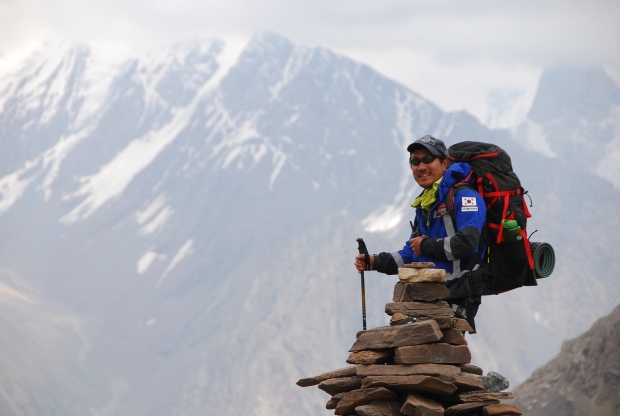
{"points": [[452, 194]]}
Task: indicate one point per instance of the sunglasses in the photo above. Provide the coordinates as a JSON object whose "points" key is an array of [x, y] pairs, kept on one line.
{"points": [[414, 161]]}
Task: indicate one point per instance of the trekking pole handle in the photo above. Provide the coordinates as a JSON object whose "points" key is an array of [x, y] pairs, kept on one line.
{"points": [[361, 246]]}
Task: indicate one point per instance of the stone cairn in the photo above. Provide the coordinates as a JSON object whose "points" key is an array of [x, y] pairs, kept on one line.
{"points": [[419, 365]]}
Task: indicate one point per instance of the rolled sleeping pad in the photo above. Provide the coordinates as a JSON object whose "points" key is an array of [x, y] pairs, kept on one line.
{"points": [[544, 259]]}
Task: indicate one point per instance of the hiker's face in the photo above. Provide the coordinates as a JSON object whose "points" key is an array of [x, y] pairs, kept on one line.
{"points": [[427, 173]]}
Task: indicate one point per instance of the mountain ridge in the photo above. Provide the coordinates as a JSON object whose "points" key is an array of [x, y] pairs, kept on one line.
{"points": [[218, 273], [582, 379]]}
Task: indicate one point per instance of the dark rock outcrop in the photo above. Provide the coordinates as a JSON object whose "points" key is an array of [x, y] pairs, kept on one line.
{"points": [[583, 379]]}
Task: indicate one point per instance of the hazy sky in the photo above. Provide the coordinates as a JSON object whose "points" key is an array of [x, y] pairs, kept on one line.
{"points": [[457, 53]]}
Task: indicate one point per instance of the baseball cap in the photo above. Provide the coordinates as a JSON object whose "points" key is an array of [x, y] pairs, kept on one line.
{"points": [[430, 143]]}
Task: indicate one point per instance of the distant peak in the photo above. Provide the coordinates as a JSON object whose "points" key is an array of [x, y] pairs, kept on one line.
{"points": [[271, 38], [574, 92]]}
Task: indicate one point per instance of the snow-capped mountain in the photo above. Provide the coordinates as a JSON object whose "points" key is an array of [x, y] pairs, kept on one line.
{"points": [[195, 208]]}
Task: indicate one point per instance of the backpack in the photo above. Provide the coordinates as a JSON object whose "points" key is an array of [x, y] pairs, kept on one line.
{"points": [[506, 265]]}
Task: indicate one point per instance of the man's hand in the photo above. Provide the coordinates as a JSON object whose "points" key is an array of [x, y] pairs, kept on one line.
{"points": [[360, 262], [415, 244]]}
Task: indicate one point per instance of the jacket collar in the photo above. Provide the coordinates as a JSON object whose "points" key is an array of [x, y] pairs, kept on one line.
{"points": [[457, 172]]}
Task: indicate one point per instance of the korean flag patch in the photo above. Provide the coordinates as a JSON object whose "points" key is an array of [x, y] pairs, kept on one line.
{"points": [[468, 203]]}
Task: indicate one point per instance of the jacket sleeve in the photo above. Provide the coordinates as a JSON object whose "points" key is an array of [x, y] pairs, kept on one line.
{"points": [[389, 263], [469, 215]]}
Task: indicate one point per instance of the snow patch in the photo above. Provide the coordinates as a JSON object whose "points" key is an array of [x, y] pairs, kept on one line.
{"points": [[158, 222], [609, 166], [154, 216], [55, 156], [8, 292], [279, 159], [58, 84], [388, 216], [295, 63], [13, 185], [102, 67], [292, 120], [533, 137], [349, 79], [507, 108], [384, 219], [151, 209], [145, 261], [226, 59], [539, 319], [185, 250]]}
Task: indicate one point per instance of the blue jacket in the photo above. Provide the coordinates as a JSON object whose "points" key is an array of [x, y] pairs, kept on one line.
{"points": [[452, 242]]}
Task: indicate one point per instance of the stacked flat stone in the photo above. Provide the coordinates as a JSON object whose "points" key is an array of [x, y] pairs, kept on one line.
{"points": [[419, 368]]}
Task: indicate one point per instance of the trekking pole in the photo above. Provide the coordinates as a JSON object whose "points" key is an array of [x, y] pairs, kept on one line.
{"points": [[361, 246]]}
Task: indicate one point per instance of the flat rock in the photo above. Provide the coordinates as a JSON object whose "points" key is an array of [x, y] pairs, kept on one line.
{"points": [[444, 322], [424, 305], [472, 369], [355, 398], [438, 353], [471, 408], [452, 336], [408, 292], [462, 325], [418, 405], [379, 409], [476, 397], [313, 381], [464, 383], [401, 310], [371, 357], [415, 309], [501, 409], [340, 385], [331, 403], [411, 275], [366, 370], [420, 265], [422, 383], [397, 336]]}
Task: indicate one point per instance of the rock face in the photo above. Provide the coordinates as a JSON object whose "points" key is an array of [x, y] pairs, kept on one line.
{"points": [[417, 366], [583, 379]]}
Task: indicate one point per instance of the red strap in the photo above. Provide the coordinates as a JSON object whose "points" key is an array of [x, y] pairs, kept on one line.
{"points": [[528, 250], [490, 204], [504, 193], [492, 179], [525, 209], [480, 187], [482, 156]]}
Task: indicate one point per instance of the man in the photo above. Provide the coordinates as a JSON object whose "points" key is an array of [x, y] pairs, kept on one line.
{"points": [[452, 243]]}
